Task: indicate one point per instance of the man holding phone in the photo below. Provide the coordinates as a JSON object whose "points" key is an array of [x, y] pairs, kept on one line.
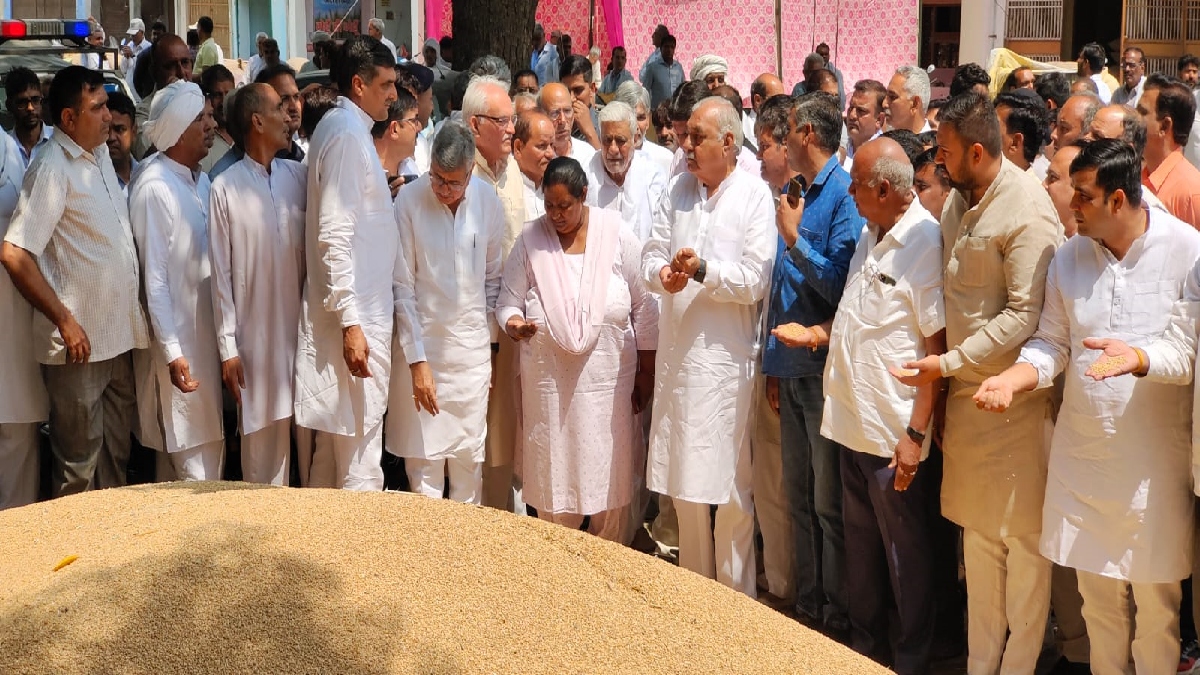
{"points": [[819, 232]]}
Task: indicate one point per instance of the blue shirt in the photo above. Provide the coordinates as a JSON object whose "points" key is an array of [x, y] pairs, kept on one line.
{"points": [[662, 80], [808, 279]]}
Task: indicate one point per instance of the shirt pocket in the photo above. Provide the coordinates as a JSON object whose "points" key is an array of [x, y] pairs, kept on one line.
{"points": [[976, 263], [881, 301], [1146, 309]]}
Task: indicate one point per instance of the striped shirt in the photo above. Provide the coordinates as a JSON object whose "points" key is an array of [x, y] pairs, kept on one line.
{"points": [[73, 218]]}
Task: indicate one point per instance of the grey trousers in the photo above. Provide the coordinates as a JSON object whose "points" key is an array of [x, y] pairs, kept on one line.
{"points": [[92, 406]]}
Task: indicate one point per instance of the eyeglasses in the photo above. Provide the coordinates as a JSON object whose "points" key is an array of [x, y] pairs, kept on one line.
{"points": [[31, 102], [439, 182], [501, 122], [561, 113], [411, 120]]}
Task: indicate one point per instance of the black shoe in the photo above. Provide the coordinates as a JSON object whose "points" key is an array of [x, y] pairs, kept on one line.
{"points": [[1065, 667]]}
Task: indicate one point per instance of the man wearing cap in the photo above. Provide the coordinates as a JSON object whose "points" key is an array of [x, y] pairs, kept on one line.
{"points": [[712, 69], [179, 394], [75, 261], [133, 45]]}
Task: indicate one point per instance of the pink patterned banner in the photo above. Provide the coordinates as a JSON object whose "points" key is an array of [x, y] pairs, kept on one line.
{"points": [[742, 32], [866, 38]]}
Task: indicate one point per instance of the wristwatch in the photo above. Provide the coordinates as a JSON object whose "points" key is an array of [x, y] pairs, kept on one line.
{"points": [[701, 271], [916, 436]]}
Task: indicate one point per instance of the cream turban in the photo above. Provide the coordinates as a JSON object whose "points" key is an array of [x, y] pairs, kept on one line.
{"points": [[173, 110], [708, 64]]}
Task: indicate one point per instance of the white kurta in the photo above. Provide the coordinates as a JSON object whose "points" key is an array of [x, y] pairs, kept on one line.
{"points": [[662, 157], [581, 151], [703, 387], [445, 315], [351, 248], [256, 229], [22, 394], [168, 208], [635, 199], [535, 201], [1119, 497], [582, 441]]}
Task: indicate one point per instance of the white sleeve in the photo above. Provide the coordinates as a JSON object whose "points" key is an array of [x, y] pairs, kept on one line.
{"points": [[158, 215], [514, 287], [745, 281], [220, 253], [342, 183], [656, 252], [408, 320], [1050, 347]]}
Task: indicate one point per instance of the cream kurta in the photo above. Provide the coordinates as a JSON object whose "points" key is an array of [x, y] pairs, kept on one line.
{"points": [[708, 332], [996, 258], [445, 315], [635, 199], [582, 441], [168, 207], [23, 394], [256, 229], [503, 423], [351, 247], [1119, 492]]}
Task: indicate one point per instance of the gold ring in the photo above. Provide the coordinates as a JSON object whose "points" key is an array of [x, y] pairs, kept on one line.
{"points": [[414, 397]]}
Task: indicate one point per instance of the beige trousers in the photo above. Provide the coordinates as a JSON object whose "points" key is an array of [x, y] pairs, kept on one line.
{"points": [[1134, 628], [770, 507], [1071, 634], [266, 454], [1008, 600], [611, 525], [18, 464]]}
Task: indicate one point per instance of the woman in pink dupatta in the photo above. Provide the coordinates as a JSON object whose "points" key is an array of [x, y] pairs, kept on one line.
{"points": [[573, 298]]}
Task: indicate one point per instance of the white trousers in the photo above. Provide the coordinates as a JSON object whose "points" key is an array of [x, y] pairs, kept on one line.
{"points": [[1008, 600], [724, 549], [348, 462], [203, 462], [266, 453], [770, 507], [428, 477], [1134, 628], [18, 464], [611, 525]]}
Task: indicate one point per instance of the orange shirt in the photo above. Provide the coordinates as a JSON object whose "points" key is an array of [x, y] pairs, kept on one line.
{"points": [[1177, 183]]}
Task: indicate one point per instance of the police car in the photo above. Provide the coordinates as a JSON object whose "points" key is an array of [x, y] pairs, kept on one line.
{"points": [[46, 46]]}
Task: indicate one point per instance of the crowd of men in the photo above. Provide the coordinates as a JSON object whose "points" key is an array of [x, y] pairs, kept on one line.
{"points": [[870, 321]]}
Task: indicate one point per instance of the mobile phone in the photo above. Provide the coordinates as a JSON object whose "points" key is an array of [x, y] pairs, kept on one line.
{"points": [[795, 190], [409, 178]]}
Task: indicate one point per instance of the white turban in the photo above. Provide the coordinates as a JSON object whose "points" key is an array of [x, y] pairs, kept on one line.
{"points": [[173, 110], [708, 64]]}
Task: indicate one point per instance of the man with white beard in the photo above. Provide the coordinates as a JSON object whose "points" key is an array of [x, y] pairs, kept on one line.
{"points": [[343, 357], [451, 231], [635, 96], [256, 232], [180, 407], [619, 178], [714, 227]]}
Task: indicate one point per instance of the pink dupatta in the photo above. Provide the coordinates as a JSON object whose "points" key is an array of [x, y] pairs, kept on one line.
{"points": [[574, 323]]}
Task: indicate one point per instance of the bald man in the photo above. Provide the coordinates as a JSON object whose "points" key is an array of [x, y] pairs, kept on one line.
{"points": [[871, 417], [557, 102], [764, 87], [1074, 119]]}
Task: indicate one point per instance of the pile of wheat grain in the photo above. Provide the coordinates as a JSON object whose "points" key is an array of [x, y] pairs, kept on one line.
{"points": [[234, 578]]}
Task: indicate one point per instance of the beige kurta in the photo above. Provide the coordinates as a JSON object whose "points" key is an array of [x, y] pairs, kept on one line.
{"points": [[996, 256], [502, 418]]}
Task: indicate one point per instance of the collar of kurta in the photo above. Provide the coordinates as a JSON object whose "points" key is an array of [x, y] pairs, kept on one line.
{"points": [[1160, 174], [831, 165], [901, 231], [529, 183], [360, 114], [192, 177], [1006, 169], [73, 149], [482, 165]]}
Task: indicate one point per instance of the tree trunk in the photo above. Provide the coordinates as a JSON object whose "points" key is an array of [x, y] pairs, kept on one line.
{"points": [[500, 27]]}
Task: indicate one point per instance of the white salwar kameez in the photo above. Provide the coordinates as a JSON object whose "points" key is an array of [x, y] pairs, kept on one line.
{"points": [[1119, 503], [256, 229], [168, 209], [445, 316], [582, 443], [351, 247], [23, 400], [635, 199], [704, 374]]}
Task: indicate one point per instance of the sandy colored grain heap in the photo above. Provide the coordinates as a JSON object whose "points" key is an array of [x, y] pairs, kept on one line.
{"points": [[234, 578]]}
